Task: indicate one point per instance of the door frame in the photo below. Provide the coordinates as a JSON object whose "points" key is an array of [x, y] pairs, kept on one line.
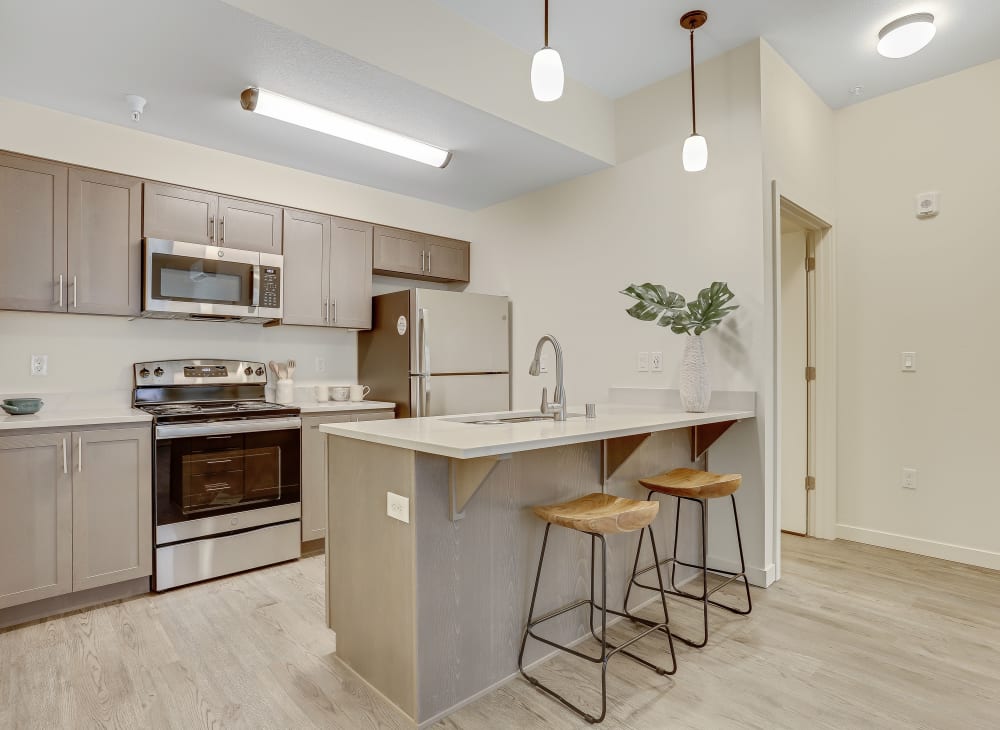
{"points": [[820, 239]]}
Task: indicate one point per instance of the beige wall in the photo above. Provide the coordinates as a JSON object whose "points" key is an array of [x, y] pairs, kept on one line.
{"points": [[928, 286], [94, 353], [564, 253]]}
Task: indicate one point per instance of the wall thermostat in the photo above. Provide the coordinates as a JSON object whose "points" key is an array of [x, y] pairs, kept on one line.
{"points": [[928, 204]]}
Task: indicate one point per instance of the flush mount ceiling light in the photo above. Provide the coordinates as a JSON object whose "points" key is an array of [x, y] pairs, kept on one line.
{"points": [[695, 154], [547, 75], [276, 106], [907, 35]]}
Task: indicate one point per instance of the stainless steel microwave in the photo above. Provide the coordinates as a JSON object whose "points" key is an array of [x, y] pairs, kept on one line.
{"points": [[192, 281]]}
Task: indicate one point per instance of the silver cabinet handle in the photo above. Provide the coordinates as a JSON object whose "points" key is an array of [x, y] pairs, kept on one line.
{"points": [[423, 258], [326, 310], [60, 289], [334, 311], [211, 228], [74, 291], [428, 262], [65, 463], [79, 453], [222, 229]]}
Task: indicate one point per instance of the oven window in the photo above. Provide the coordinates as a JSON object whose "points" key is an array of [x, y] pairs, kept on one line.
{"points": [[187, 279], [204, 476]]}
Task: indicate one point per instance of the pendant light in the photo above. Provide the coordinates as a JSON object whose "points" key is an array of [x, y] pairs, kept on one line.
{"points": [[547, 69], [695, 154]]}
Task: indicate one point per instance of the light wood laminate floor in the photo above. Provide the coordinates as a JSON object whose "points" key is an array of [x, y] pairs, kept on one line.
{"points": [[852, 637]]}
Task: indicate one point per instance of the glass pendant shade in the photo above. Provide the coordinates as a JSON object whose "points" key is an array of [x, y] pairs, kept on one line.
{"points": [[547, 75], [906, 36], [695, 155]]}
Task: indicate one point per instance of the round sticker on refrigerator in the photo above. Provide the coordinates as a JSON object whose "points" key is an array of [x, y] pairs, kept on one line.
{"points": [[401, 324]]}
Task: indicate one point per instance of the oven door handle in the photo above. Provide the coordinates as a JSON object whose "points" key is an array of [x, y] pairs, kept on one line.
{"points": [[218, 428]]}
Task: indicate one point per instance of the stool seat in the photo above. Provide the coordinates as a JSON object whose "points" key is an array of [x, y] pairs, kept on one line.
{"points": [[693, 484], [603, 514]]}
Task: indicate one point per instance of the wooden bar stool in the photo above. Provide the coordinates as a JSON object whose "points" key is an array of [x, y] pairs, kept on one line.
{"points": [[699, 487], [596, 515]]}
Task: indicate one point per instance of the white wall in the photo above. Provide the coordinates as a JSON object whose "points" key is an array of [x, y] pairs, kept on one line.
{"points": [[94, 353], [564, 253], [927, 286]]}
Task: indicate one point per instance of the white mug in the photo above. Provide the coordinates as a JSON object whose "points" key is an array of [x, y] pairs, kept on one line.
{"points": [[322, 393], [340, 392], [358, 392]]}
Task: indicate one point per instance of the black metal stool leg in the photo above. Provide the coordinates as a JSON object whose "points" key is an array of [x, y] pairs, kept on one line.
{"points": [[743, 565], [531, 608]]}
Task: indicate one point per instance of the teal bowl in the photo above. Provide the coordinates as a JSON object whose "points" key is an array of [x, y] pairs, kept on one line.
{"points": [[22, 406]]}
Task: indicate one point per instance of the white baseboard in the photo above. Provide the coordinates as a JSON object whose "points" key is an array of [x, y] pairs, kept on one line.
{"points": [[760, 577], [930, 548]]}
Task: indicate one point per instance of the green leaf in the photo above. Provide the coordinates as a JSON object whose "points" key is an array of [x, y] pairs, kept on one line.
{"points": [[654, 301], [710, 308]]}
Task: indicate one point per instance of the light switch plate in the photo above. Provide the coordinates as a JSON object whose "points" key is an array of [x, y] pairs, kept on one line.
{"points": [[908, 362], [656, 362], [909, 480], [397, 507], [320, 365], [642, 362]]}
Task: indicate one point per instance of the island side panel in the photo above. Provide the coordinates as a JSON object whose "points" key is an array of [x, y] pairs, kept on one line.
{"points": [[370, 566]]}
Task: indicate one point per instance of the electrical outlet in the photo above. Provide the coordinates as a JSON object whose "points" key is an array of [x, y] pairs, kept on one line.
{"points": [[656, 362], [397, 507], [320, 365], [909, 478], [39, 364], [642, 362]]}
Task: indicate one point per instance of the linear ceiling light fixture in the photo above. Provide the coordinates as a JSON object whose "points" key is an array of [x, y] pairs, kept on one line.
{"points": [[547, 75], [907, 35], [276, 106], [695, 154]]}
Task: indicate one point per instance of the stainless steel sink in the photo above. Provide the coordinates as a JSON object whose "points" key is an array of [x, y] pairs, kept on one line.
{"points": [[510, 419]]}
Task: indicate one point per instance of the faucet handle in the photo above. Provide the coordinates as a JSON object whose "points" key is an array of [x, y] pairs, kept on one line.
{"points": [[545, 400]]}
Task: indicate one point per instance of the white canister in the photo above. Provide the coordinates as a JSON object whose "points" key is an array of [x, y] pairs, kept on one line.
{"points": [[285, 392], [340, 392], [358, 392], [322, 393]]}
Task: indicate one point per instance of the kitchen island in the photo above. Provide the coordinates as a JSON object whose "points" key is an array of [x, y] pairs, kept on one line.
{"points": [[429, 609]]}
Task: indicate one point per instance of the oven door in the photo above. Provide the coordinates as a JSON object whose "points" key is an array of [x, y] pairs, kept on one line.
{"points": [[207, 472], [192, 279]]}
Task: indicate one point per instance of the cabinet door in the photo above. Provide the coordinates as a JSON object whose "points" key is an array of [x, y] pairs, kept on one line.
{"points": [[447, 259], [32, 234], [105, 245], [249, 225], [112, 506], [351, 274], [306, 275], [179, 214], [36, 511], [314, 474], [398, 251]]}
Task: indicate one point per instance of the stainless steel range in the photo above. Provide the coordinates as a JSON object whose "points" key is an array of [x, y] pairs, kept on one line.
{"points": [[226, 469]]}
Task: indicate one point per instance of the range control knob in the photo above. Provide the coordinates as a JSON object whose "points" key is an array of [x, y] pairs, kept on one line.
{"points": [[144, 373], [260, 371], [248, 371], [158, 372]]}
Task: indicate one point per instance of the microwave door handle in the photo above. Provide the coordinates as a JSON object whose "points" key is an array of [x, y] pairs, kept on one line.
{"points": [[255, 297]]}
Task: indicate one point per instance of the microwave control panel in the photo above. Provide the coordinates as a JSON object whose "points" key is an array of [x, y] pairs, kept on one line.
{"points": [[270, 286]]}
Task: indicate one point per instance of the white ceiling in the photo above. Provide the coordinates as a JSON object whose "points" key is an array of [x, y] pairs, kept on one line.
{"points": [[618, 46], [191, 59]]}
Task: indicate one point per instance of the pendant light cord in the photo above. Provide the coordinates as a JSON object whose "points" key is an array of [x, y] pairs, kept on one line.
{"points": [[694, 113], [547, 24]]}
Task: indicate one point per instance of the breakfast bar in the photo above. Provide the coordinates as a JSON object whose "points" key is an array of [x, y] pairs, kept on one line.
{"points": [[432, 545]]}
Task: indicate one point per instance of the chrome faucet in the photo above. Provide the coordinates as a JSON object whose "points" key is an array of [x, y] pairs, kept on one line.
{"points": [[557, 409]]}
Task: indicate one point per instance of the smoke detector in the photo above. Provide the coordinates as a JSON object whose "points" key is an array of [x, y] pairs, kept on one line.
{"points": [[135, 105]]}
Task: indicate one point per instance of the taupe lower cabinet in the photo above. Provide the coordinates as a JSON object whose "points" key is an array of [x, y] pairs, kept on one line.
{"points": [[75, 511], [399, 252], [328, 271], [195, 216], [314, 467], [32, 234]]}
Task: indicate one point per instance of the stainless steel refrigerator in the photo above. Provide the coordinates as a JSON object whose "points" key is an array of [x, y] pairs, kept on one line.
{"points": [[435, 353]]}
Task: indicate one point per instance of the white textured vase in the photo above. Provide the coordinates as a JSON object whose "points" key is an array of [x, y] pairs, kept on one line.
{"points": [[695, 389]]}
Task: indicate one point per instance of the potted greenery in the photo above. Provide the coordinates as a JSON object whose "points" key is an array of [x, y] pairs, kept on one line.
{"points": [[694, 318]]}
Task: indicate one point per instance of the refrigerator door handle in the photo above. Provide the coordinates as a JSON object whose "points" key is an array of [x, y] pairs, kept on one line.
{"points": [[425, 363]]}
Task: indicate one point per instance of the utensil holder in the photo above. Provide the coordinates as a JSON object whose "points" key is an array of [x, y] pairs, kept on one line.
{"points": [[284, 392]]}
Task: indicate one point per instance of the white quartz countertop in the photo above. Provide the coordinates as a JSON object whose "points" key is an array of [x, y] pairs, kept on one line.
{"points": [[448, 436], [74, 415], [333, 406]]}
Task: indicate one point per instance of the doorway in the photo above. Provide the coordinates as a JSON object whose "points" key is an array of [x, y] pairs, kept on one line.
{"points": [[805, 320]]}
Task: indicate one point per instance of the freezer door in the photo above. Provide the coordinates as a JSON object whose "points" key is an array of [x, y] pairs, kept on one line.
{"points": [[459, 333], [447, 395]]}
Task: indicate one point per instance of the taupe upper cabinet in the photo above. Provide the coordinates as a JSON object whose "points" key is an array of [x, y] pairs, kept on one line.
{"points": [[415, 255], [182, 214], [112, 506], [32, 234], [105, 244], [328, 271], [36, 511]]}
